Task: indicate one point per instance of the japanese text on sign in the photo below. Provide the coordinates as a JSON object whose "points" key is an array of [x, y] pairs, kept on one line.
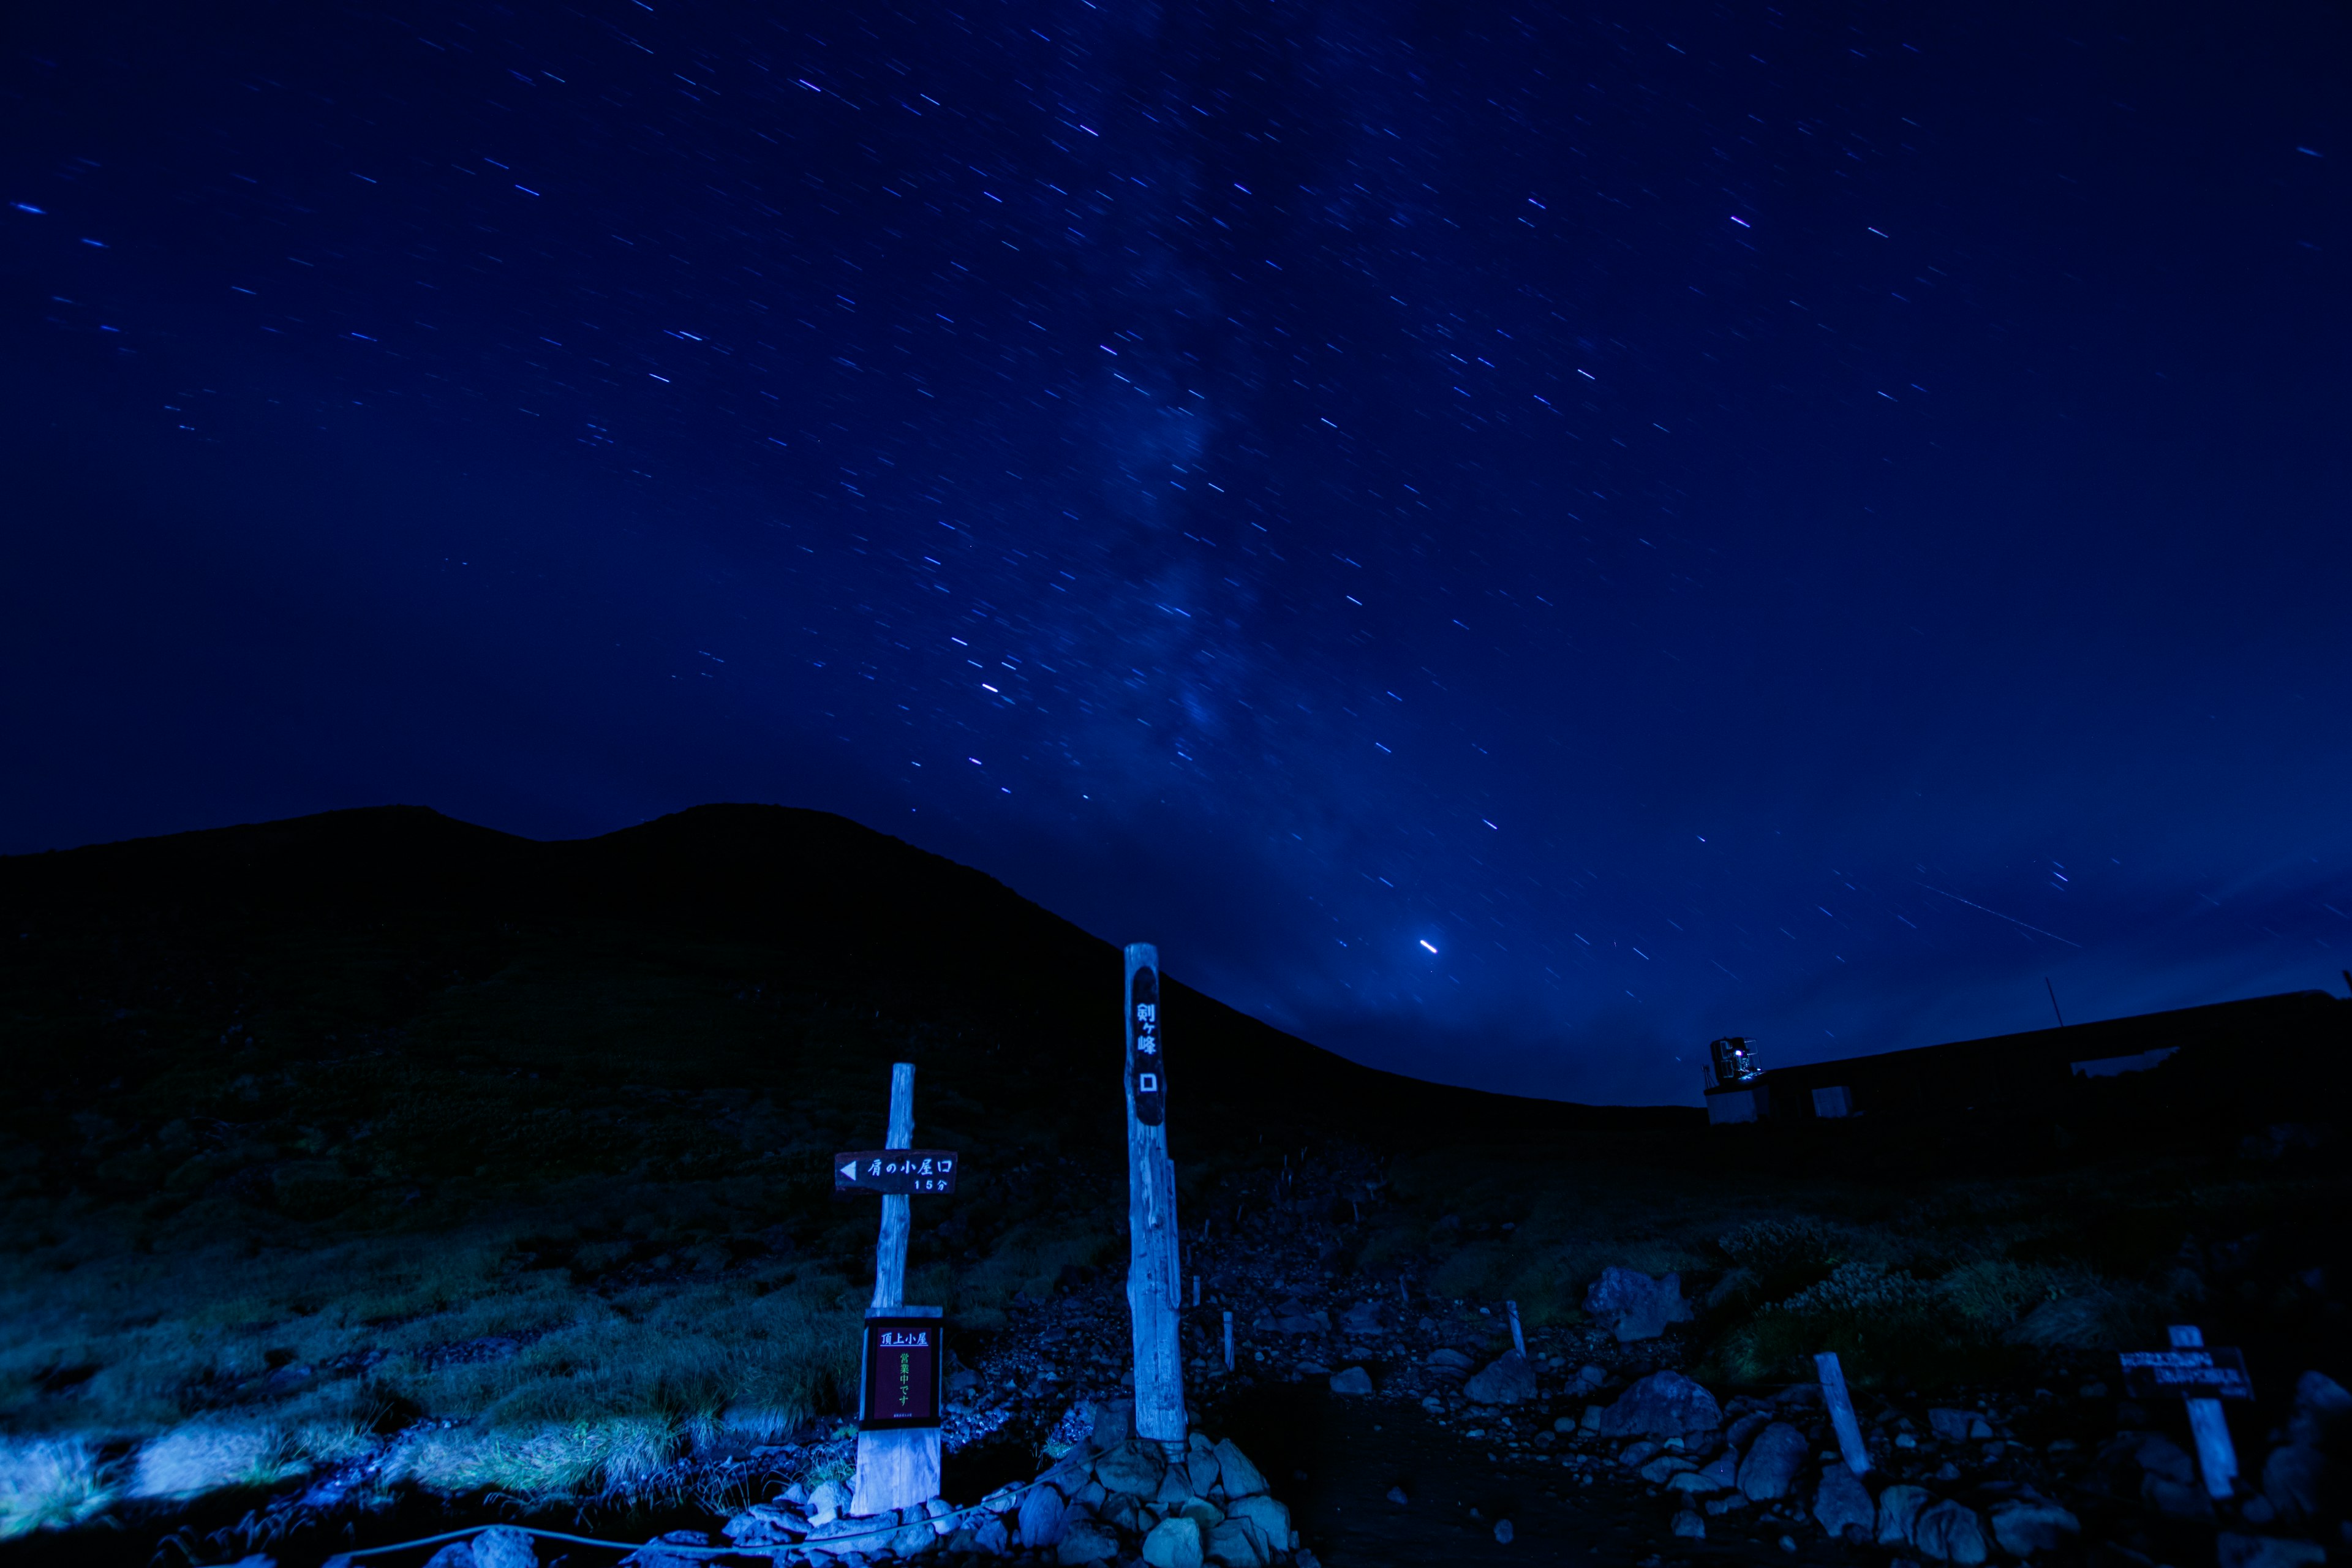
{"points": [[2187, 1373], [900, 1386], [895, 1170], [1147, 1072]]}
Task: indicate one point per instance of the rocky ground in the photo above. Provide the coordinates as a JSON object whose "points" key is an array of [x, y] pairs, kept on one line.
{"points": [[1374, 1427]]}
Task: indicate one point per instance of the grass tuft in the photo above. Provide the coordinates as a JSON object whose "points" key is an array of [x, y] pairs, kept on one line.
{"points": [[46, 1483]]}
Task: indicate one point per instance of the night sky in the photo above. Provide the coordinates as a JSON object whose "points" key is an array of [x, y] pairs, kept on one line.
{"points": [[1511, 540]]}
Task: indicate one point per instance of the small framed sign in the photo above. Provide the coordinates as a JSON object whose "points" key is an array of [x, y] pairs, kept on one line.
{"points": [[899, 1375], [2187, 1373]]}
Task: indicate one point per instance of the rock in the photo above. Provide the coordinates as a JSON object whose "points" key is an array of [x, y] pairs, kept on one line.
{"points": [[1084, 1540], [1842, 1503], [1235, 1543], [1898, 1507], [1662, 1405], [1589, 1379], [1688, 1525], [1664, 1468], [651, 1555], [1722, 1472], [1201, 1468], [1742, 1432], [1398, 1496], [825, 1503], [1507, 1380], [2184, 1501], [1114, 1423], [1635, 1305], [1768, 1469], [913, 1538], [1271, 1518], [1447, 1362], [1589, 1423], [2236, 1551], [456, 1554], [1503, 1531], [1949, 1532], [504, 1546], [1693, 1483], [1633, 1456], [1041, 1515], [992, 1537], [2291, 1481], [1294, 1317], [1133, 1469], [2024, 1526], [2322, 1407], [1363, 1318], [1351, 1380], [2160, 1456], [1240, 1476], [1175, 1485], [1175, 1543], [1951, 1426]]}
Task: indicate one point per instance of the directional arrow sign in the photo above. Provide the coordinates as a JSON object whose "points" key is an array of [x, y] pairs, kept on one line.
{"points": [[895, 1170]]}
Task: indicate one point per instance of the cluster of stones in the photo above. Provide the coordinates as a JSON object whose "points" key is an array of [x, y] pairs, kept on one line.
{"points": [[1712, 1461], [1104, 1502]]}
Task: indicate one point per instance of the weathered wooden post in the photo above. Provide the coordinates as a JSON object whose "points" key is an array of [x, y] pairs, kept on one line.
{"points": [[1153, 1304], [2202, 1378], [1842, 1418], [900, 1356], [2217, 1456]]}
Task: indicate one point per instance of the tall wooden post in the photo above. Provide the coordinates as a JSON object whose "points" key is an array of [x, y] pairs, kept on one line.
{"points": [[2217, 1456], [895, 1469], [1152, 1276]]}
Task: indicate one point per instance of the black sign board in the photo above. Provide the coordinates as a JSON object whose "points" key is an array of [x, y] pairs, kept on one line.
{"points": [[2185, 1374], [895, 1170], [1147, 1073], [899, 1382]]}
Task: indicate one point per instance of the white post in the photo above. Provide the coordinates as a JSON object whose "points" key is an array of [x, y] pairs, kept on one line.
{"points": [[2216, 1456], [1519, 1339], [1153, 1304], [895, 1469], [1842, 1418], [1229, 1342]]}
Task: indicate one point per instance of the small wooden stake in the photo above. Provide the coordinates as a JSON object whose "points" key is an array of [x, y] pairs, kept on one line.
{"points": [[1154, 1300], [1229, 1342], [895, 1469], [1519, 1339], [1842, 1418], [2217, 1456]]}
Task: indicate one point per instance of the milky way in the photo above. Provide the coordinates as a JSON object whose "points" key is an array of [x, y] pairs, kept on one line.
{"points": [[1510, 540]]}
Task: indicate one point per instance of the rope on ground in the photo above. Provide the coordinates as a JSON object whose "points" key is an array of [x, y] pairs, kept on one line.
{"points": [[675, 1549]]}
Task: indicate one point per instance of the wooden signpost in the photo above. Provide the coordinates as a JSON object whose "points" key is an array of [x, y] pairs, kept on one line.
{"points": [[1153, 1304], [902, 1352], [2201, 1379]]}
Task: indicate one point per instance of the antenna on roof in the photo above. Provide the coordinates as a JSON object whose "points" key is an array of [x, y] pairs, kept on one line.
{"points": [[2053, 1001]]}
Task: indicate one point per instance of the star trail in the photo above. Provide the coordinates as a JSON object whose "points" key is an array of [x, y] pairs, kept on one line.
{"points": [[1510, 541]]}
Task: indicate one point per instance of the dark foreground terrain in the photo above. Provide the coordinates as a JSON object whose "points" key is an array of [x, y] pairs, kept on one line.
{"points": [[370, 1175]]}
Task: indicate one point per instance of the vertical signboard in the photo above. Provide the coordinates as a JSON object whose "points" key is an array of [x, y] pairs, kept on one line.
{"points": [[1147, 1073], [898, 1386]]}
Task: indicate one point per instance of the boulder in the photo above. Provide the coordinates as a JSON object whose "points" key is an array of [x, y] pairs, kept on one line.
{"points": [[1447, 1362], [1271, 1518], [1133, 1469], [2024, 1526], [1240, 1479], [1200, 1470], [2236, 1551], [2185, 1500], [1235, 1543], [1040, 1518], [1693, 1483], [1898, 1507], [1294, 1317], [1722, 1471], [992, 1537], [1175, 1543], [1662, 1405], [1635, 1306], [1508, 1380], [827, 1502], [1842, 1503], [1664, 1468], [1363, 1318], [1951, 1426], [1949, 1532], [1503, 1532], [913, 1538], [1688, 1525], [1084, 1540], [1351, 1380], [2322, 1409], [1768, 1469], [504, 1546], [2291, 1481], [456, 1554]]}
